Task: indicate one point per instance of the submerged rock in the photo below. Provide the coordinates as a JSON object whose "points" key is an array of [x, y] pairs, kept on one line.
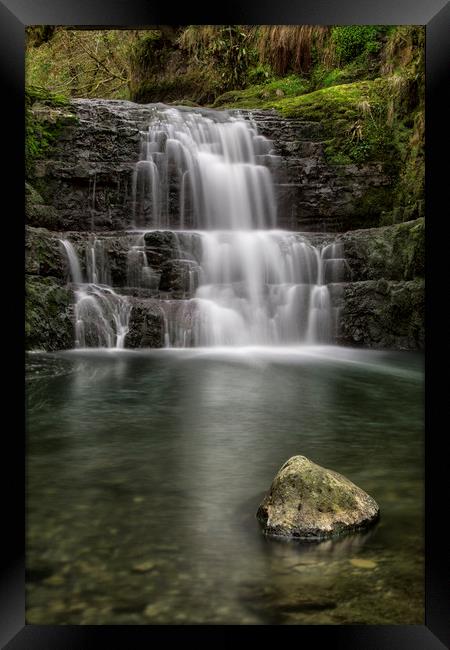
{"points": [[309, 502]]}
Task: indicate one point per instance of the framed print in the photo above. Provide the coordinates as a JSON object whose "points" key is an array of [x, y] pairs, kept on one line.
{"points": [[232, 238]]}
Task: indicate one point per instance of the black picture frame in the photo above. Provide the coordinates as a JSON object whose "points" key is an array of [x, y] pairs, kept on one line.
{"points": [[15, 15]]}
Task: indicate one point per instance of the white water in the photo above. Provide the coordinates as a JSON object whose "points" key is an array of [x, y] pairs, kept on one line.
{"points": [[256, 288], [101, 315], [202, 173], [207, 174]]}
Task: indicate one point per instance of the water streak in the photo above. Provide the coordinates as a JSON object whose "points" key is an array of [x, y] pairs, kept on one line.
{"points": [[202, 171], [101, 315]]}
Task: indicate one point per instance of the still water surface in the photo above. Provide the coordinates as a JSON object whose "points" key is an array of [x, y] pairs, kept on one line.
{"points": [[145, 470]]}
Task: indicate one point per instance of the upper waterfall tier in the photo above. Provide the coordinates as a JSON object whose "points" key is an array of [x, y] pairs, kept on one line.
{"points": [[203, 170]]}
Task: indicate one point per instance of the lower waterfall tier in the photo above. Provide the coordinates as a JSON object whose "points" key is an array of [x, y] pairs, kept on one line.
{"points": [[231, 287], [191, 288]]}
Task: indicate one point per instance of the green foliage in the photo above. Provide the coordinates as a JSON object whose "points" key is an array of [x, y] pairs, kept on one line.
{"points": [[79, 63], [360, 68], [259, 74], [292, 48], [351, 41], [233, 56], [148, 51], [41, 134], [44, 96], [364, 84], [226, 52], [39, 34]]}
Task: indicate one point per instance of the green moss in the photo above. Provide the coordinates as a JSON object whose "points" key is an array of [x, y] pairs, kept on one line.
{"points": [[44, 254], [361, 69], [409, 246], [391, 253], [263, 95], [352, 117], [368, 208], [351, 41], [48, 325], [45, 117]]}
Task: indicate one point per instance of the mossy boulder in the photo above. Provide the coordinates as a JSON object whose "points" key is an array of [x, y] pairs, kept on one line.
{"points": [[48, 314], [307, 501]]}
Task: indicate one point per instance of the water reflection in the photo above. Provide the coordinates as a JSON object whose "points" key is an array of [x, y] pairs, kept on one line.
{"points": [[145, 471]]}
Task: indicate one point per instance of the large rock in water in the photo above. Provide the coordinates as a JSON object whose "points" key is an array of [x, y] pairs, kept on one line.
{"points": [[309, 502]]}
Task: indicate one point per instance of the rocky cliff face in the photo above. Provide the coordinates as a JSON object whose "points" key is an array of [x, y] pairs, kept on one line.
{"points": [[312, 194], [86, 180], [383, 303], [84, 186]]}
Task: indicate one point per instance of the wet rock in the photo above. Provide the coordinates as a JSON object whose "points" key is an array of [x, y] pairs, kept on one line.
{"points": [[390, 252], [146, 324], [179, 276], [383, 314], [48, 314], [37, 211], [44, 254], [307, 501], [161, 239], [88, 182], [312, 194]]}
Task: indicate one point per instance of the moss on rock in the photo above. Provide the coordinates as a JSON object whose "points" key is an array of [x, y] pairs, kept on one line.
{"points": [[391, 252], [48, 321], [47, 115], [260, 95], [307, 501], [44, 254]]}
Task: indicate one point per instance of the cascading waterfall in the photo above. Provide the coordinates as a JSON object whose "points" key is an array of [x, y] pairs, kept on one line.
{"points": [[101, 315], [203, 184], [257, 286], [203, 170]]}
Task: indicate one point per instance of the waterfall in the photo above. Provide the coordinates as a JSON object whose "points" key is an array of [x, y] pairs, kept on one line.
{"points": [[205, 244], [256, 288], [101, 315], [202, 170], [74, 264], [209, 172]]}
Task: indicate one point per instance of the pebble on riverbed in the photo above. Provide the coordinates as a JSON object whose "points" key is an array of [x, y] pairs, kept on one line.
{"points": [[308, 502], [144, 567]]}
